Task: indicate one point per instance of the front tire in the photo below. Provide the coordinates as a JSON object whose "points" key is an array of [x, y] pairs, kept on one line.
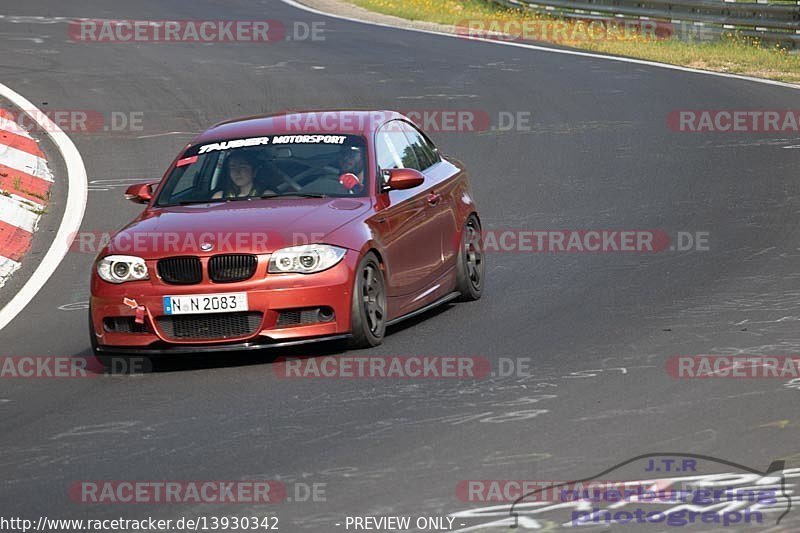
{"points": [[471, 268], [368, 309]]}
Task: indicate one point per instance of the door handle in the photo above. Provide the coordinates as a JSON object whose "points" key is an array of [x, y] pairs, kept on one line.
{"points": [[433, 198]]}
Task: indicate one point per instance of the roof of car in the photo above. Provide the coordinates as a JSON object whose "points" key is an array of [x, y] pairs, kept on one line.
{"points": [[333, 121]]}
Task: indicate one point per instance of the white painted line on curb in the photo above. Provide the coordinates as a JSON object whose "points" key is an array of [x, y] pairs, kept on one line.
{"points": [[25, 162], [7, 267], [73, 210], [12, 127], [548, 49], [36, 206], [19, 214]]}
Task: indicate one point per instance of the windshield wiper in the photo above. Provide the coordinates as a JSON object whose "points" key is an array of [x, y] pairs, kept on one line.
{"points": [[243, 198], [216, 200], [210, 201], [298, 194]]}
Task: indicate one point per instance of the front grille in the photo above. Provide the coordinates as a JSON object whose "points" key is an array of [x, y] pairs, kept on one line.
{"points": [[232, 267], [180, 270], [303, 317], [215, 326], [123, 324]]}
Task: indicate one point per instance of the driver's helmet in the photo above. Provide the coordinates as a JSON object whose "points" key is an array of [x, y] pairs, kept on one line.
{"points": [[351, 159]]}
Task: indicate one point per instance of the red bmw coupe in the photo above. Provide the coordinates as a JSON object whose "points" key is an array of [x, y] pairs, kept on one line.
{"points": [[286, 229]]}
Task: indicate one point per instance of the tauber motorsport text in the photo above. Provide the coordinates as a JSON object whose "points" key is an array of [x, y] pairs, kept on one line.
{"points": [[398, 523], [278, 139]]}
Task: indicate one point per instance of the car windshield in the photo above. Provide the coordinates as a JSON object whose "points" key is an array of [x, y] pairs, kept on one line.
{"points": [[307, 165]]}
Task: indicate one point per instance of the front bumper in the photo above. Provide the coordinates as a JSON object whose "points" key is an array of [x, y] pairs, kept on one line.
{"points": [[269, 294]]}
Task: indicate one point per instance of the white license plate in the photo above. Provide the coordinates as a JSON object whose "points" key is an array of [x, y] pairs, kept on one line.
{"points": [[205, 303]]}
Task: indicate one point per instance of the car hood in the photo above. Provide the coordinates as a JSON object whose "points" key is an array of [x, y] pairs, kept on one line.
{"points": [[256, 226]]}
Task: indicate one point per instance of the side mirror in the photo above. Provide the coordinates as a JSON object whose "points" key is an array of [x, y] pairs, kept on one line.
{"points": [[402, 178], [140, 193]]}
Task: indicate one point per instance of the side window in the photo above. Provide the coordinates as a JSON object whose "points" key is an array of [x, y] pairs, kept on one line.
{"points": [[190, 179], [423, 149], [393, 149], [386, 153]]}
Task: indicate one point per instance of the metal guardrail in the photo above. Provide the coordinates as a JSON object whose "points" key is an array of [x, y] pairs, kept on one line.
{"points": [[693, 19]]}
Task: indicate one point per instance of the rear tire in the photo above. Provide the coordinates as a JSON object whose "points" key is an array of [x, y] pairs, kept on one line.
{"points": [[368, 309], [471, 267]]}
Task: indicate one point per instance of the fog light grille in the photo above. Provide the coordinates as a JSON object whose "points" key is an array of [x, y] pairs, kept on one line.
{"points": [[304, 317]]}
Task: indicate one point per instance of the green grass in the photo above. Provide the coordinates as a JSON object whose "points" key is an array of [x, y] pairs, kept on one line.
{"points": [[35, 194], [732, 54]]}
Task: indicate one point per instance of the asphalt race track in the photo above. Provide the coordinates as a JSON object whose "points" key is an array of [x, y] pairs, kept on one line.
{"points": [[598, 328]]}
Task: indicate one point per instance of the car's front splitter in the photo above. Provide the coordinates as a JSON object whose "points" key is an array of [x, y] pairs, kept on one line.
{"points": [[164, 349]]}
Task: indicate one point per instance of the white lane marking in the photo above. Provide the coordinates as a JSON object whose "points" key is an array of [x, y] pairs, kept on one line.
{"points": [[115, 183], [550, 50], [108, 427], [151, 136], [19, 19], [74, 306], [25, 162], [12, 127], [7, 267], [18, 214], [73, 210]]}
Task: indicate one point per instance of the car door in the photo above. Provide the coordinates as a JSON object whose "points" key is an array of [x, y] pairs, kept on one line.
{"points": [[441, 182], [411, 242]]}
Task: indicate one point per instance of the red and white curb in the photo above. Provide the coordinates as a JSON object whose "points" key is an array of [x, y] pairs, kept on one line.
{"points": [[25, 181]]}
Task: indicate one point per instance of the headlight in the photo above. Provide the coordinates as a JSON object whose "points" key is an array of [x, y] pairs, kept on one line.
{"points": [[305, 259], [122, 268]]}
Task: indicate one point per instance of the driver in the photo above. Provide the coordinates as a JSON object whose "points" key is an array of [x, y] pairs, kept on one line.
{"points": [[239, 171], [351, 161]]}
